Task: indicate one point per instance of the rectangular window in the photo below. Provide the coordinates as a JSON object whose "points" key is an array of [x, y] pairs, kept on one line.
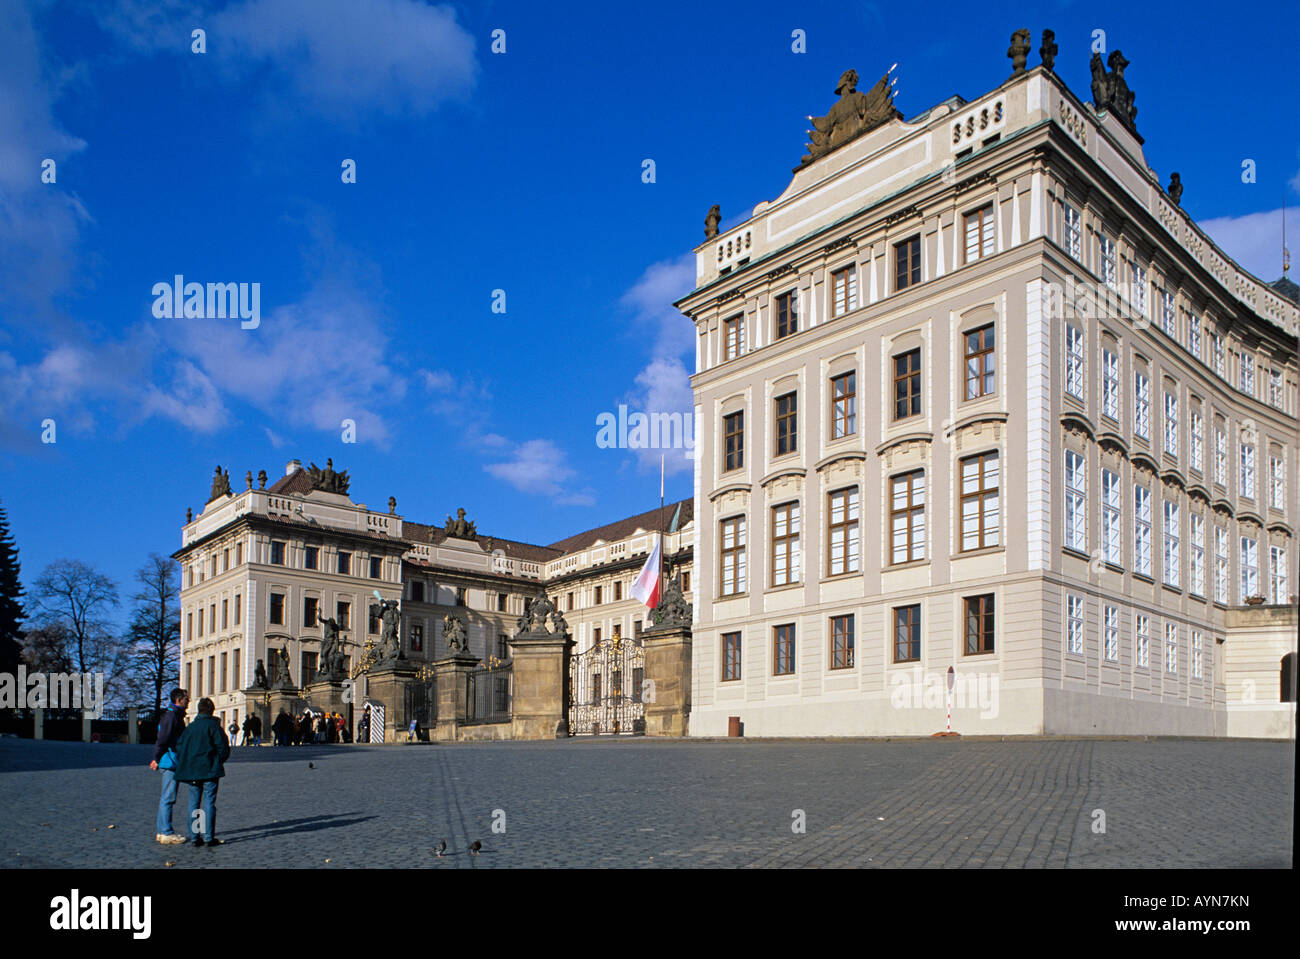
{"points": [[417, 637], [376, 567], [225, 671], [1276, 482], [907, 633], [785, 544], [1247, 470], [1142, 406], [277, 609], [225, 609], [978, 229], [979, 501], [907, 517], [345, 564], [733, 437], [1275, 388], [842, 534], [569, 601], [1110, 384], [787, 314], [1141, 529], [1076, 502], [618, 590], [1198, 643], [783, 650], [732, 560], [1138, 290], [1221, 457], [372, 624], [1173, 534], [686, 581], [225, 560], [277, 553], [1198, 442], [907, 263], [461, 596], [1109, 270], [503, 646], [1074, 361], [1220, 565], [1171, 424], [343, 613], [907, 384], [1073, 233], [239, 554], [1278, 594], [212, 618], [599, 591], [1249, 568], [308, 668], [309, 605], [1247, 374], [189, 626], [239, 607], [1110, 517], [1194, 335], [844, 291], [787, 423], [730, 656], [1110, 634], [980, 366], [1217, 355], [844, 398], [235, 678], [1168, 318], [311, 557], [979, 624], [1171, 647], [733, 337], [1074, 624], [417, 591], [1142, 642], [1196, 573], [841, 642], [212, 675]]}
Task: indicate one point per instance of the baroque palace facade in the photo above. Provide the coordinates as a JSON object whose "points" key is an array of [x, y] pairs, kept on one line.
{"points": [[261, 568], [975, 393]]}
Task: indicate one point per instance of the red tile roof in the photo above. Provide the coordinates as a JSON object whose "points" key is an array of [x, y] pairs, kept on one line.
{"points": [[652, 520]]}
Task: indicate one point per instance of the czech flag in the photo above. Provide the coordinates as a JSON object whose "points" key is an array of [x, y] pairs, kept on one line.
{"points": [[646, 585]]}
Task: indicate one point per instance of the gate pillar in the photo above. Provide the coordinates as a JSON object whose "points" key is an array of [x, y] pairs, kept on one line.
{"points": [[452, 676], [668, 667], [541, 694]]}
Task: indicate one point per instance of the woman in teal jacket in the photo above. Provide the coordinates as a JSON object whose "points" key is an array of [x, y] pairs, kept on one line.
{"points": [[201, 755]]}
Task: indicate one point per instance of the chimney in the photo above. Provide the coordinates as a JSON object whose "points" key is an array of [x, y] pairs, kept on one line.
{"points": [[292, 467]]}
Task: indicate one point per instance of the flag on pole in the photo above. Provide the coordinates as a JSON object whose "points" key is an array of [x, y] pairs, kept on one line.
{"points": [[646, 585]]}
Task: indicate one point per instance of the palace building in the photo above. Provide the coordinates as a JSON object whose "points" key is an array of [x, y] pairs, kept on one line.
{"points": [[974, 393]]}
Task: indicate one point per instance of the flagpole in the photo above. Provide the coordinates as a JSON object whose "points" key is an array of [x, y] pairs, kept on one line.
{"points": [[662, 549]]}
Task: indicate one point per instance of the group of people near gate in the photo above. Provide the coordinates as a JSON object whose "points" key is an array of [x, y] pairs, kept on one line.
{"points": [[310, 730]]}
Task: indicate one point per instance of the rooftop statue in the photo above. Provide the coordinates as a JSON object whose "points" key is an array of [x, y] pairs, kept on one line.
{"points": [[1019, 51], [852, 115], [1048, 49], [1110, 91], [327, 480], [711, 222], [220, 484], [1175, 189], [460, 527]]}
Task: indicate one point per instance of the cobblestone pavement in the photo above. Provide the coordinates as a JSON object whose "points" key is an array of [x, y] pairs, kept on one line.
{"points": [[645, 803]]}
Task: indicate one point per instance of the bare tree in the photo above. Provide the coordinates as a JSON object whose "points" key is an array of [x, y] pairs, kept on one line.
{"points": [[153, 640], [77, 598]]}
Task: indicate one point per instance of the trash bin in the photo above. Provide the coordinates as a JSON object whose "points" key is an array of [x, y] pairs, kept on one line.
{"points": [[733, 725]]}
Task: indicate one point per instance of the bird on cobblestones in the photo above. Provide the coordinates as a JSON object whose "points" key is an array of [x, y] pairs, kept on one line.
{"points": [[441, 848], [474, 847], [311, 765]]}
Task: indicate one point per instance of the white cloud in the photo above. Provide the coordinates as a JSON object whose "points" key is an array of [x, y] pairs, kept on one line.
{"points": [[1255, 239], [536, 466]]}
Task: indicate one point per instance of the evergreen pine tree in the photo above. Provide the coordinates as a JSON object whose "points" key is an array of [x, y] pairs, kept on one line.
{"points": [[11, 592]]}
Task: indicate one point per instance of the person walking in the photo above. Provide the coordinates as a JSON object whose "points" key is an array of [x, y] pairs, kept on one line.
{"points": [[248, 731], [257, 729], [233, 730], [282, 728], [201, 755], [170, 728]]}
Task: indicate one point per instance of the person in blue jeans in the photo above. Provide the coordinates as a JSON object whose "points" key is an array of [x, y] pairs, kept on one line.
{"points": [[170, 728], [201, 755]]}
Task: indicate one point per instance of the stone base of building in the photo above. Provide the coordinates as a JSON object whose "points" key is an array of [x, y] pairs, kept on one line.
{"points": [[1262, 720]]}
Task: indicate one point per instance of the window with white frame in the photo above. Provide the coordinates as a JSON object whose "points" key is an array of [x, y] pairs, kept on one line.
{"points": [[1247, 477], [1194, 335], [1142, 406], [1221, 457], [1278, 594], [1168, 318], [1217, 354], [1173, 558], [1198, 643], [1246, 370], [1074, 624], [1138, 292], [1220, 565], [1076, 480], [1249, 568], [1110, 634], [1074, 361], [1073, 233], [1109, 273], [1110, 517], [1277, 482], [1141, 529], [1198, 442], [1275, 388], [1110, 384], [1142, 641], [1196, 572], [1171, 424], [1171, 647]]}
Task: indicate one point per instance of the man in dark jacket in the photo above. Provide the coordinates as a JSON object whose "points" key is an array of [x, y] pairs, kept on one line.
{"points": [[170, 728], [201, 755], [282, 728]]}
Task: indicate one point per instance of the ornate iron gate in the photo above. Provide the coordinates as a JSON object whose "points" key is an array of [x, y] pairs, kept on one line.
{"points": [[605, 689]]}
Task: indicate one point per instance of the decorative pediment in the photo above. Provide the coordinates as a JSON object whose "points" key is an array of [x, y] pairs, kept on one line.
{"points": [[852, 115]]}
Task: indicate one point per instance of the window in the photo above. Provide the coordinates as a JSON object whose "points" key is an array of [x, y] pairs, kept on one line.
{"points": [[599, 591], [345, 564], [907, 384], [979, 501], [907, 263], [1278, 594], [844, 291], [1217, 354], [417, 591], [844, 405], [239, 606], [787, 314], [843, 532], [1197, 645], [1076, 508], [239, 554], [1173, 531], [979, 624], [309, 664], [1110, 517], [1198, 442], [1168, 318], [1110, 384], [783, 650], [1221, 457], [1142, 406], [311, 558], [907, 633], [225, 608], [733, 433], [503, 646], [979, 233], [277, 609], [1197, 571], [1194, 336], [979, 362], [1277, 482], [730, 656], [189, 626], [461, 596], [1142, 642], [309, 612], [1141, 529], [1171, 647], [686, 581], [417, 637], [907, 517], [1110, 634], [733, 337], [569, 601], [225, 560], [373, 620], [1109, 272], [212, 618], [1247, 374], [1171, 424], [787, 423], [235, 679], [1249, 568], [376, 567], [618, 590], [277, 553], [1247, 470], [842, 642], [1073, 233], [733, 556], [1275, 388], [1138, 291], [200, 622], [1074, 624], [1220, 565], [212, 675], [785, 544]]}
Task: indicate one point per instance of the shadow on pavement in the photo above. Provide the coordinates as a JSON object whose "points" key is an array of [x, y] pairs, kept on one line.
{"points": [[288, 826]]}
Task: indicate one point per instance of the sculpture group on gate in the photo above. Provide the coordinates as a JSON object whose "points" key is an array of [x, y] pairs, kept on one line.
{"points": [[331, 650], [1110, 91], [541, 617], [390, 647], [453, 630]]}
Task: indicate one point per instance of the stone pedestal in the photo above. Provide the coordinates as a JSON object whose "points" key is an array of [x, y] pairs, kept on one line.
{"points": [[331, 695], [541, 678], [452, 676], [85, 725], [132, 725], [387, 683], [668, 666], [267, 703]]}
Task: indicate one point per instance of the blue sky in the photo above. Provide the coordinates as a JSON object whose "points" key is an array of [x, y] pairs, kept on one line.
{"points": [[476, 171]]}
